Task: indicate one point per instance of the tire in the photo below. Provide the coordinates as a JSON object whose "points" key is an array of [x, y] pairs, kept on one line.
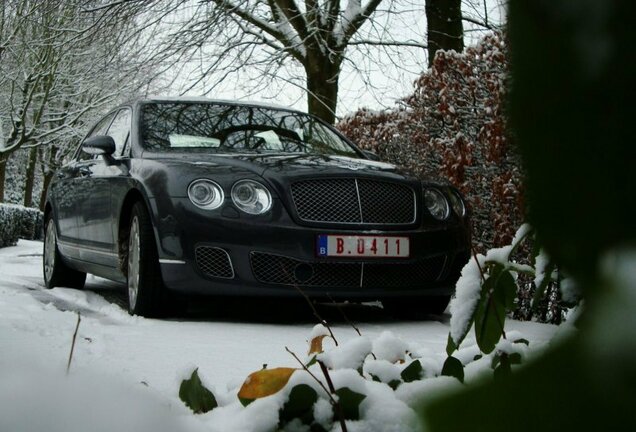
{"points": [[56, 273], [416, 308], [146, 293]]}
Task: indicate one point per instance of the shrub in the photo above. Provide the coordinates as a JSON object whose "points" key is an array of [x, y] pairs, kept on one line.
{"points": [[19, 222], [455, 125]]}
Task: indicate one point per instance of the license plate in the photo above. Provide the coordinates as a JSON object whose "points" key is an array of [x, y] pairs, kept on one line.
{"points": [[363, 246]]}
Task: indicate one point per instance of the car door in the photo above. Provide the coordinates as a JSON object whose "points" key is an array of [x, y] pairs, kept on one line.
{"points": [[70, 193], [98, 221]]}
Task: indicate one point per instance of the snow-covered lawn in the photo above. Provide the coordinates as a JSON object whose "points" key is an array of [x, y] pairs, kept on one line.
{"points": [[126, 371]]}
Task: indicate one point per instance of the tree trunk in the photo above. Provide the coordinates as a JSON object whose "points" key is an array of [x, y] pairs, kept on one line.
{"points": [[45, 185], [30, 177], [3, 174], [48, 169], [322, 90], [445, 28]]}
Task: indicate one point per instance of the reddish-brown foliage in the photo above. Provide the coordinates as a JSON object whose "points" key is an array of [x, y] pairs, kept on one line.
{"points": [[454, 126]]}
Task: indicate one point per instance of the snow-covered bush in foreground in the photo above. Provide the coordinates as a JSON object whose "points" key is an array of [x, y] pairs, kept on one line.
{"points": [[490, 285], [382, 384], [19, 222], [361, 385]]}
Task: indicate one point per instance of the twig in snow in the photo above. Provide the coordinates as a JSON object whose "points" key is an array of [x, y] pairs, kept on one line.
{"points": [[342, 312], [70, 355], [344, 315], [311, 305]]}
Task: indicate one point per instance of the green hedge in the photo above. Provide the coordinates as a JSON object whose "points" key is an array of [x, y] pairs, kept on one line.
{"points": [[19, 222]]}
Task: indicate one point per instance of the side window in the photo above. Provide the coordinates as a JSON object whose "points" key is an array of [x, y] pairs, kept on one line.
{"points": [[99, 129], [120, 131]]}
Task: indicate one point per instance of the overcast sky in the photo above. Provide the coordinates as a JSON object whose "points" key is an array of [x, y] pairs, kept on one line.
{"points": [[375, 78]]}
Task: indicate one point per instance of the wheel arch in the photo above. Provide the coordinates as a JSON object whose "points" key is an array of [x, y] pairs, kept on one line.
{"points": [[133, 196]]}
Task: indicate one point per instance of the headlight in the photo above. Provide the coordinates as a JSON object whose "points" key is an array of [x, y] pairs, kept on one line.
{"points": [[205, 194], [436, 204], [251, 197], [457, 203]]}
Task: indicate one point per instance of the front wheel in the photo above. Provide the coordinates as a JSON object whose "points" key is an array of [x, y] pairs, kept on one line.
{"points": [[146, 294], [56, 272]]}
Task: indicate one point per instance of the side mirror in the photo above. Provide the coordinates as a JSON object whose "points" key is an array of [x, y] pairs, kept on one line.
{"points": [[99, 145], [370, 155]]}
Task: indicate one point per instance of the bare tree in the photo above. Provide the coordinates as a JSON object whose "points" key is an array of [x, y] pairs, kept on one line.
{"points": [[61, 65], [232, 36]]}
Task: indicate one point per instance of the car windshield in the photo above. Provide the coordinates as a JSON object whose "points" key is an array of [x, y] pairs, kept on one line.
{"points": [[218, 128]]}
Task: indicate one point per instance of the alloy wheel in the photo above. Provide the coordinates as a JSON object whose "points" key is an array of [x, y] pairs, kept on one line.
{"points": [[134, 255], [49, 250]]}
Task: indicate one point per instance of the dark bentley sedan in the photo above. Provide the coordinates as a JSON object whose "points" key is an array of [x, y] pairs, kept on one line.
{"points": [[220, 198]]}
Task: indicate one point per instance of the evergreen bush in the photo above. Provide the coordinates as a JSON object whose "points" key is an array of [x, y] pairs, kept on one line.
{"points": [[19, 222]]}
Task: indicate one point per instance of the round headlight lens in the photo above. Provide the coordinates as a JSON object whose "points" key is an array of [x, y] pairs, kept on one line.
{"points": [[251, 197], [457, 203], [205, 194], [436, 204]]}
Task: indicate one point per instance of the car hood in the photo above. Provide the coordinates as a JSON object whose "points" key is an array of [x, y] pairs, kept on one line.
{"points": [[273, 167]]}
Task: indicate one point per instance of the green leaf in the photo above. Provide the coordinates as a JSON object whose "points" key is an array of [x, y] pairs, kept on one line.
{"points": [[375, 378], [313, 361], [504, 369], [451, 346], [394, 384], [299, 405], [506, 289], [194, 394], [412, 372], [245, 401], [454, 368], [350, 403], [489, 318]]}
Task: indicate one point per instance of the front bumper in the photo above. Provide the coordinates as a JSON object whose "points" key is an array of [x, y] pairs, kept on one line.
{"points": [[230, 253]]}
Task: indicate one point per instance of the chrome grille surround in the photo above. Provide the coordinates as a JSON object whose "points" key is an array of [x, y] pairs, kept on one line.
{"points": [[354, 201]]}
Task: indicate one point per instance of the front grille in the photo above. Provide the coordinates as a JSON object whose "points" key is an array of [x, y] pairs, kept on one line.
{"points": [[354, 201], [281, 270], [214, 262]]}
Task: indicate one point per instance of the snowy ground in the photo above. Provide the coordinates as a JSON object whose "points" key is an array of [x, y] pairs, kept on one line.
{"points": [[126, 370]]}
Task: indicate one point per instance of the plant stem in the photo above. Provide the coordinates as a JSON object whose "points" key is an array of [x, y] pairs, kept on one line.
{"points": [[330, 392], [344, 316], [481, 272], [336, 405], [311, 305]]}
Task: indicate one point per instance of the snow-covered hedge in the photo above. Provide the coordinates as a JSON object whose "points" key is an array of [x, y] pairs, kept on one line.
{"points": [[19, 222]]}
